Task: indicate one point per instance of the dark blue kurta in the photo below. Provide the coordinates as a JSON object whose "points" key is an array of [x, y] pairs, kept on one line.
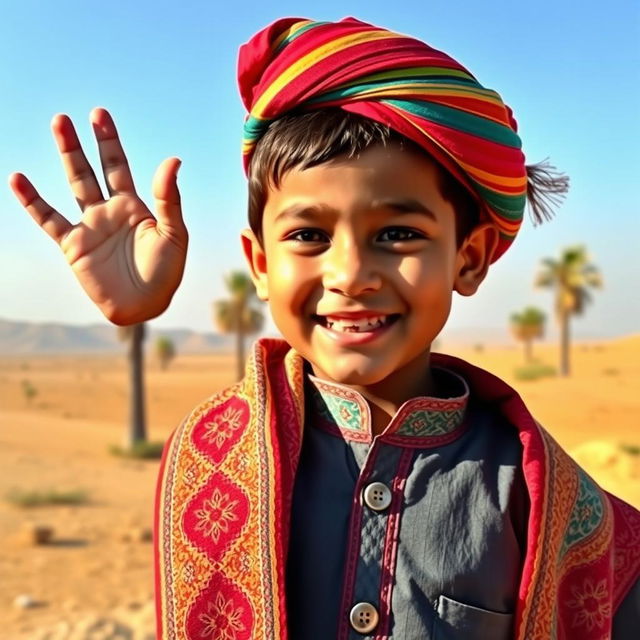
{"points": [[442, 559]]}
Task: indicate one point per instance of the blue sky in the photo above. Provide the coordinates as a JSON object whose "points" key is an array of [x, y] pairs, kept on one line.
{"points": [[166, 71]]}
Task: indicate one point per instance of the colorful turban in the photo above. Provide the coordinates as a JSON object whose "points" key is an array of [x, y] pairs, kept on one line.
{"points": [[420, 92]]}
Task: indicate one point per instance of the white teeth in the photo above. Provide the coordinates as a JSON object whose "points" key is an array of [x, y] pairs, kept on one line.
{"points": [[351, 325]]}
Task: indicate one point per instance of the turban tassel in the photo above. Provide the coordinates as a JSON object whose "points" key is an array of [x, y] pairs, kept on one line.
{"points": [[546, 189]]}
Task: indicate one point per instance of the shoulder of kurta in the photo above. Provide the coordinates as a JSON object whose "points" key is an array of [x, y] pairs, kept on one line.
{"points": [[214, 401]]}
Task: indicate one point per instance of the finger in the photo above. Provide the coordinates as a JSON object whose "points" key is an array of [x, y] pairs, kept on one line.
{"points": [[166, 195], [115, 167], [81, 177], [54, 224]]}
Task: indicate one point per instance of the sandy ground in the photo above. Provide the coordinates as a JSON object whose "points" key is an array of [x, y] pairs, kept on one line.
{"points": [[98, 559]]}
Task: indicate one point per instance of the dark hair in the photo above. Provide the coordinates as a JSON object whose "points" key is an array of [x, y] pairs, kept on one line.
{"points": [[308, 139]]}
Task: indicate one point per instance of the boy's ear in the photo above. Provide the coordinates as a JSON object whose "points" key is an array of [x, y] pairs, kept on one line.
{"points": [[474, 258], [257, 262]]}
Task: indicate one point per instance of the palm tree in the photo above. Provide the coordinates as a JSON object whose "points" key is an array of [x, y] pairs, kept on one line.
{"points": [[165, 350], [237, 315], [571, 277], [133, 336], [526, 326]]}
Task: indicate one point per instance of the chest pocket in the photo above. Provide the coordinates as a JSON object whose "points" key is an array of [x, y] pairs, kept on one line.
{"points": [[457, 621]]}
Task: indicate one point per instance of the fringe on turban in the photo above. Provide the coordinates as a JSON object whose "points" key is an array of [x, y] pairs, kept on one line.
{"points": [[297, 65]]}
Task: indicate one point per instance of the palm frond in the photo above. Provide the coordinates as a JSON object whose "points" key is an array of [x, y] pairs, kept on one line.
{"points": [[240, 285], [237, 313], [528, 324], [545, 279], [571, 276], [224, 316]]}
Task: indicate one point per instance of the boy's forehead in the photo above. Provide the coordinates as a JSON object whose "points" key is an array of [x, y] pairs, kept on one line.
{"points": [[420, 92], [379, 180]]}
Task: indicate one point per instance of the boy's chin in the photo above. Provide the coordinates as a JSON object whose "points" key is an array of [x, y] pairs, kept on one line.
{"points": [[363, 374]]}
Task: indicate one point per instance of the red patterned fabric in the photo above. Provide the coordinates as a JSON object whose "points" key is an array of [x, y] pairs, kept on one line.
{"points": [[224, 499]]}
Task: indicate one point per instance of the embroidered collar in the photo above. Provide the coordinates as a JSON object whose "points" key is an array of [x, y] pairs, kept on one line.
{"points": [[341, 410]]}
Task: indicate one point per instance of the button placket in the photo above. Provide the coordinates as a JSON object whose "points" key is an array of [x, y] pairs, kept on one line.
{"points": [[375, 498]]}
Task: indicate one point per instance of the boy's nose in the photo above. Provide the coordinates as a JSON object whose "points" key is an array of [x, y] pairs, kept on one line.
{"points": [[349, 269]]}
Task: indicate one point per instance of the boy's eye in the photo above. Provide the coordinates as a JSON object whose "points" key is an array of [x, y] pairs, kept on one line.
{"points": [[308, 235], [399, 234]]}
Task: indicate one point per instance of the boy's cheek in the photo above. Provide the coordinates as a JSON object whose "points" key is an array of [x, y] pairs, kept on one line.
{"points": [[281, 271]]}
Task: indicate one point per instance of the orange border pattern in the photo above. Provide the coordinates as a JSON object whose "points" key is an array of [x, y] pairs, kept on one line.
{"points": [[220, 537], [575, 550]]}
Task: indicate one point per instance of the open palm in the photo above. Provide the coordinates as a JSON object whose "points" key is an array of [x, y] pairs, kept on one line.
{"points": [[129, 262]]}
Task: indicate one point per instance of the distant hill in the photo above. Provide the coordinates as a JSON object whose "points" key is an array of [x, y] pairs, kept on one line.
{"points": [[49, 338], [18, 337]]}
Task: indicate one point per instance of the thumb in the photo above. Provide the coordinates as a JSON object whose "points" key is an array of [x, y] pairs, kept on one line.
{"points": [[166, 195]]}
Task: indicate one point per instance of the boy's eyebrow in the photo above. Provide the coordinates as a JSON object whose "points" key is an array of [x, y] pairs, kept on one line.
{"points": [[404, 205], [301, 211], [398, 205]]}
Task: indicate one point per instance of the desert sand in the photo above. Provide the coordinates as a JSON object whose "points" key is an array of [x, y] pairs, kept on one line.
{"points": [[97, 567]]}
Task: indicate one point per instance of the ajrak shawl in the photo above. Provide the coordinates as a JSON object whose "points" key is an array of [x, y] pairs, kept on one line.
{"points": [[224, 499], [297, 65]]}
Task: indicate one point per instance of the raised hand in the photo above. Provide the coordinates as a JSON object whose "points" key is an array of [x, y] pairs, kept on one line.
{"points": [[129, 262]]}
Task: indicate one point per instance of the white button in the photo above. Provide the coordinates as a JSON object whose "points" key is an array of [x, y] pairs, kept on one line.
{"points": [[377, 496], [363, 617]]}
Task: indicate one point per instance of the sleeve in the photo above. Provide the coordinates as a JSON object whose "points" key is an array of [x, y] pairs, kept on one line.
{"points": [[626, 620]]}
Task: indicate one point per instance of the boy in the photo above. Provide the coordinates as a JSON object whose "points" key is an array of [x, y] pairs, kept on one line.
{"points": [[421, 499]]}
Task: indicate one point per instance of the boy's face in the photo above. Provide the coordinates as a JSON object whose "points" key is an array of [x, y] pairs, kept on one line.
{"points": [[359, 262]]}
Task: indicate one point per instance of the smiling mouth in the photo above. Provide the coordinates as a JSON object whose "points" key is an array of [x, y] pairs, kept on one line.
{"points": [[359, 325]]}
